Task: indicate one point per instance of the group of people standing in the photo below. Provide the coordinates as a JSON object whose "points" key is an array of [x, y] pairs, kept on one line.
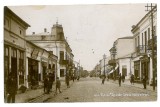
{"points": [[121, 78], [48, 82]]}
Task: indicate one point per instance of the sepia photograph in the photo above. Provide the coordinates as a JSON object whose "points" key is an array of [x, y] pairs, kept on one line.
{"points": [[80, 53]]}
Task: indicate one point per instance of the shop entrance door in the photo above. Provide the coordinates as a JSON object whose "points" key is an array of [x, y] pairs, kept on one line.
{"points": [[14, 69]]}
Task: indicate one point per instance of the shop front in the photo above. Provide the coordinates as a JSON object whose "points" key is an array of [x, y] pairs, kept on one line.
{"points": [[33, 75]]}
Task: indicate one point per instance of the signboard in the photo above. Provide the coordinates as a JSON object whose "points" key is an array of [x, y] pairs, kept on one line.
{"points": [[34, 54]]}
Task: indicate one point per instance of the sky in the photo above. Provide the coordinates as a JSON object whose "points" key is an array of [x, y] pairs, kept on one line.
{"points": [[90, 29]]}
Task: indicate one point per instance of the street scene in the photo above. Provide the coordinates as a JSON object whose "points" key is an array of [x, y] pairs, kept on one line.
{"points": [[80, 53]]}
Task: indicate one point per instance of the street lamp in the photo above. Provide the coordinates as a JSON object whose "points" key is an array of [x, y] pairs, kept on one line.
{"points": [[104, 57]]}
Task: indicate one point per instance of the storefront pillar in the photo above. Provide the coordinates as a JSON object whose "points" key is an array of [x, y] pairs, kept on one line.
{"points": [[39, 73], [26, 76]]}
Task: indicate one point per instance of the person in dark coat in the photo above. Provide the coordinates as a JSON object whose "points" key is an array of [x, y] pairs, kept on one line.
{"points": [[103, 79], [144, 82], [67, 81], [50, 81], [11, 89], [132, 79], [119, 79], [46, 85], [73, 77], [123, 78], [58, 85]]}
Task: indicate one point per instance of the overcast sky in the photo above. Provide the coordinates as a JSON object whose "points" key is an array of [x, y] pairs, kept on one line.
{"points": [[90, 29]]}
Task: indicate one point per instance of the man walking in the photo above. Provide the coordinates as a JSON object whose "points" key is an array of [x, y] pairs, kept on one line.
{"points": [[11, 89], [58, 85], [103, 79], [119, 79], [144, 82]]}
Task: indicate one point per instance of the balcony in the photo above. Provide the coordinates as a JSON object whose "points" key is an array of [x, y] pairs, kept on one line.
{"points": [[150, 43], [141, 50], [63, 62]]}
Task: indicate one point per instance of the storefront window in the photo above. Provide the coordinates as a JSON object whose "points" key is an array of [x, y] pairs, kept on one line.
{"points": [[137, 70], [61, 72], [21, 67]]}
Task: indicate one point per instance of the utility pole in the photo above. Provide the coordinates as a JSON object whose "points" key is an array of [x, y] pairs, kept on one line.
{"points": [[153, 55]]}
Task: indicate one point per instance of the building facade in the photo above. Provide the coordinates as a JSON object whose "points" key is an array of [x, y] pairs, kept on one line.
{"points": [[39, 64], [56, 42], [121, 57], [23, 59], [144, 32], [14, 47]]}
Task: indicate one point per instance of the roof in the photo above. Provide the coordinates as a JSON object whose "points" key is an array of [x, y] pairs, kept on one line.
{"points": [[127, 37], [43, 33], [7, 10], [135, 26]]}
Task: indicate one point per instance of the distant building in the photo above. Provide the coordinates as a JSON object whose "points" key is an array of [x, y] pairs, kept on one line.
{"points": [[56, 42], [103, 66], [121, 56]]}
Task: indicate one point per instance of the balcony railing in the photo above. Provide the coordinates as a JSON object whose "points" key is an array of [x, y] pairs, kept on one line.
{"points": [[141, 49], [63, 62], [150, 43]]}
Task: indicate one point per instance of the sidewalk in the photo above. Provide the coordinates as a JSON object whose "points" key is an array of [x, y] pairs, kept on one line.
{"points": [[32, 94], [138, 85]]}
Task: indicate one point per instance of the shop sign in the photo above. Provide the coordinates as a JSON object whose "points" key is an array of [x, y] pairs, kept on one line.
{"points": [[34, 54]]}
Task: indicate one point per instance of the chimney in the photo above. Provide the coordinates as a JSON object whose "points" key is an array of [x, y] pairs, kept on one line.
{"points": [[33, 33], [45, 30]]}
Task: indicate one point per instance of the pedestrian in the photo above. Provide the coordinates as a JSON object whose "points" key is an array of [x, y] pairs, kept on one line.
{"points": [[103, 79], [58, 85], [33, 82], [78, 78], [123, 78], [73, 77], [144, 82], [11, 89], [46, 85], [132, 79], [50, 82], [119, 79], [67, 81], [107, 77]]}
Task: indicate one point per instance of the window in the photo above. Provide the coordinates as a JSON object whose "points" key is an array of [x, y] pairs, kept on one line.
{"points": [[6, 52], [20, 31], [148, 33], [124, 70], [21, 67], [138, 40], [61, 55], [137, 69], [6, 23], [145, 38], [135, 42], [142, 38], [13, 53], [61, 72]]}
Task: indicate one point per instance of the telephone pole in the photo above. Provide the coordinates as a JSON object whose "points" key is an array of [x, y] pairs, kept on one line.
{"points": [[153, 46]]}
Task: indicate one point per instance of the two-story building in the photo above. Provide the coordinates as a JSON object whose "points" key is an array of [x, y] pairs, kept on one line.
{"points": [[143, 34], [121, 57], [14, 47], [56, 42]]}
